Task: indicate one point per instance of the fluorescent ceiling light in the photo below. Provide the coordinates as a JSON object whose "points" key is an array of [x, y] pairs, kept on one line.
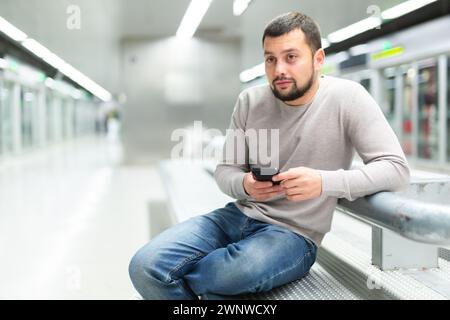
{"points": [[55, 61], [325, 43], [252, 73], [404, 8], [239, 6], [373, 22], [354, 29], [36, 48], [85, 82], [11, 31], [42, 52], [72, 73], [192, 18]]}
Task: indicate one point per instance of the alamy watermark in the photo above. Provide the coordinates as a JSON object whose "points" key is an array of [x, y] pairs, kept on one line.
{"points": [[252, 146], [74, 17], [375, 12], [73, 278]]}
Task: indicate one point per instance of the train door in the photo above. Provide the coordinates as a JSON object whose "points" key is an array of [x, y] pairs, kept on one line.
{"points": [[428, 113], [6, 121], [29, 114], [447, 142], [50, 133], [57, 111], [366, 83], [408, 75], [389, 97]]}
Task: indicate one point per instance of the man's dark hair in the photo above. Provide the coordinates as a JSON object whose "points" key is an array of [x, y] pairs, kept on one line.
{"points": [[287, 22]]}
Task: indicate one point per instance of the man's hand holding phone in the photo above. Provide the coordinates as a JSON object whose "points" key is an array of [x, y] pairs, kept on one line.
{"points": [[261, 190], [298, 184]]}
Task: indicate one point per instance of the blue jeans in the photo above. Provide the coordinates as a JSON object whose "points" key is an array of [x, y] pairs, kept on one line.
{"points": [[223, 253]]}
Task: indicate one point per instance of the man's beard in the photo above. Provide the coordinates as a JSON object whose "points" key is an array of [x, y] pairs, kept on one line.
{"points": [[295, 93]]}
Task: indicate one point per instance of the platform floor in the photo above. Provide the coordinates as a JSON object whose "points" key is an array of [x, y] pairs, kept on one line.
{"points": [[71, 217]]}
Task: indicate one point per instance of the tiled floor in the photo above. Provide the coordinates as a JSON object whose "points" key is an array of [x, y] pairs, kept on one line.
{"points": [[71, 217]]}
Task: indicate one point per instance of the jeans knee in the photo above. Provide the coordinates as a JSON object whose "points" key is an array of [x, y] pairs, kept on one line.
{"points": [[150, 277], [136, 268], [144, 267], [140, 267]]}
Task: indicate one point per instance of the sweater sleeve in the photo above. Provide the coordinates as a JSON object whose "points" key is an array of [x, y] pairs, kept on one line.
{"points": [[232, 168], [385, 166]]}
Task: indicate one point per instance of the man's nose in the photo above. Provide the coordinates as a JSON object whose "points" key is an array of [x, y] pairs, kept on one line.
{"points": [[280, 69]]}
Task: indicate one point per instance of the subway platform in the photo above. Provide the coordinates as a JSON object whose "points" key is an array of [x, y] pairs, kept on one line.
{"points": [[72, 217]]}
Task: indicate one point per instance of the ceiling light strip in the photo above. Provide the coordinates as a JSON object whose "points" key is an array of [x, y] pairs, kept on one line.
{"points": [[42, 52], [192, 18]]}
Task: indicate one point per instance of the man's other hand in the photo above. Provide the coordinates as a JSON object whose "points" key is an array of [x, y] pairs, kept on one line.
{"points": [[300, 183]]}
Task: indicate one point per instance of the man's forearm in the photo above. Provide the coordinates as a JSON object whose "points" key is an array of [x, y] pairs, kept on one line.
{"points": [[383, 175], [230, 180]]}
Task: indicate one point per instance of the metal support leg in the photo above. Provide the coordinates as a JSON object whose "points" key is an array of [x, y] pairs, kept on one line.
{"points": [[391, 251]]}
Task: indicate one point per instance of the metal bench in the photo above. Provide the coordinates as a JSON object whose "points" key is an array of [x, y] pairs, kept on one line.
{"points": [[342, 270]]}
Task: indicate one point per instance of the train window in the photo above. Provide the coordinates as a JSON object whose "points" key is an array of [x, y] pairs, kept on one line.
{"points": [[1, 119], [366, 84], [428, 115], [448, 109], [56, 118], [388, 103], [28, 100], [63, 118], [74, 118], [406, 141], [49, 115], [6, 131]]}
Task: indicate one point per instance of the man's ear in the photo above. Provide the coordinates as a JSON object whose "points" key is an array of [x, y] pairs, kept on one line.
{"points": [[319, 59]]}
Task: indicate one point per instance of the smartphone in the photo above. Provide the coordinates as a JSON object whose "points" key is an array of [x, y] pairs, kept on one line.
{"points": [[265, 174]]}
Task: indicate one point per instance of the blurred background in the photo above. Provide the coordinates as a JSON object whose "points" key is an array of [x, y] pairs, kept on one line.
{"points": [[91, 93]]}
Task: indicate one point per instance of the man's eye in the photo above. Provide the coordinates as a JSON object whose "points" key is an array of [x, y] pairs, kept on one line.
{"points": [[292, 57], [270, 60]]}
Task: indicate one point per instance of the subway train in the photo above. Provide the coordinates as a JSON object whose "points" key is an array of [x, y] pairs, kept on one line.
{"points": [[36, 110]]}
